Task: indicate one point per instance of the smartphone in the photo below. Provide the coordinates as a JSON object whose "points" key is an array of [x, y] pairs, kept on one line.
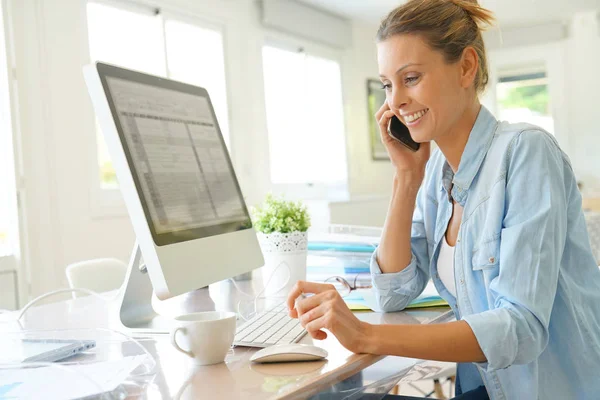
{"points": [[41, 350], [400, 132]]}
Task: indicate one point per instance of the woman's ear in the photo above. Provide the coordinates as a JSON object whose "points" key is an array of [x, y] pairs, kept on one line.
{"points": [[469, 63]]}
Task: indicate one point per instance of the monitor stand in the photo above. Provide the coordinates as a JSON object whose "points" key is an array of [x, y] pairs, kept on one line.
{"points": [[135, 311]]}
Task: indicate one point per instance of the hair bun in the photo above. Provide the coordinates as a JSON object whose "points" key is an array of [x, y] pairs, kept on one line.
{"points": [[447, 26], [481, 16]]}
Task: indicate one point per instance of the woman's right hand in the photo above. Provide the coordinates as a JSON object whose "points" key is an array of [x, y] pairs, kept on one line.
{"points": [[405, 161]]}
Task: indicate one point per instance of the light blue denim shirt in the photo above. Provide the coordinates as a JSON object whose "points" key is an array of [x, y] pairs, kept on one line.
{"points": [[526, 280]]}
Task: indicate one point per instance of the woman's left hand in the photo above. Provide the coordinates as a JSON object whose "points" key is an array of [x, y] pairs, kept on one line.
{"points": [[327, 310]]}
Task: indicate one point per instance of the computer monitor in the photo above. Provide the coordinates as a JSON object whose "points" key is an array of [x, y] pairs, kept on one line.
{"points": [[176, 177]]}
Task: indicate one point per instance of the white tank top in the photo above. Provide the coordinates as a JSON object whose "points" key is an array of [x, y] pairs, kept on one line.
{"points": [[445, 266]]}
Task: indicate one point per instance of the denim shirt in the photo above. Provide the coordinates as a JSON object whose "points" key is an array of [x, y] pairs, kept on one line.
{"points": [[526, 280]]}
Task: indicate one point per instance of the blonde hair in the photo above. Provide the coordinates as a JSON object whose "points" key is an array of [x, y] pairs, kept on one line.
{"points": [[448, 26]]}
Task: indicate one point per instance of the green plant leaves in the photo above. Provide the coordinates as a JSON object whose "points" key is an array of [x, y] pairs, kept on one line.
{"points": [[279, 215]]}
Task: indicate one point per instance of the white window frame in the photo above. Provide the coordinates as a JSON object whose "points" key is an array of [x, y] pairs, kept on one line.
{"points": [[310, 191], [547, 57], [108, 202], [524, 74]]}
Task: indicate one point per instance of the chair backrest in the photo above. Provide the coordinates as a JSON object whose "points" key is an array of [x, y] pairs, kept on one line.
{"points": [[99, 275]]}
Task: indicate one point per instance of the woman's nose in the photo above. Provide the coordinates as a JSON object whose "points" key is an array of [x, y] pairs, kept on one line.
{"points": [[397, 99]]}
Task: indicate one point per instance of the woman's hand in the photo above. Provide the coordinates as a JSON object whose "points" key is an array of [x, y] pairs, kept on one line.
{"points": [[326, 310], [403, 159]]}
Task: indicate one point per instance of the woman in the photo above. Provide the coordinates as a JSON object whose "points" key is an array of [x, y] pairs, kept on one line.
{"points": [[493, 217]]}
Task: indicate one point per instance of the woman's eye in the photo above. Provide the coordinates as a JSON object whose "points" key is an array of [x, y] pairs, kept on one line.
{"points": [[409, 80], [386, 86]]}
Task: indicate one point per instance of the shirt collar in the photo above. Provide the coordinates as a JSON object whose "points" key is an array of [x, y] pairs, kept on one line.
{"points": [[478, 144]]}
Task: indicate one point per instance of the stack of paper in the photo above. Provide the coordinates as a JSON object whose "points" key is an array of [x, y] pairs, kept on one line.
{"points": [[334, 254], [364, 299]]}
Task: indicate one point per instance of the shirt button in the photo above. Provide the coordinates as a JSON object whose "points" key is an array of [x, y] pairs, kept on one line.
{"points": [[492, 260], [458, 240]]}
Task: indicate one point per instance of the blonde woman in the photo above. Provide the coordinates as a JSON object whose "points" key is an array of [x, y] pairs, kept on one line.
{"points": [[494, 217]]}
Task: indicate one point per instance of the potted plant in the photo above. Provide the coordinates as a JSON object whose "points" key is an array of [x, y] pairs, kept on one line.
{"points": [[281, 227]]}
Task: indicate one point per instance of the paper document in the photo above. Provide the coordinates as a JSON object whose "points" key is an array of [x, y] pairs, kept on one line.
{"points": [[60, 383]]}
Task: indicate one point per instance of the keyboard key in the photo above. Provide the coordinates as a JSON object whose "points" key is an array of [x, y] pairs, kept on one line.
{"points": [[297, 330], [250, 326], [270, 327], [275, 322], [270, 341]]}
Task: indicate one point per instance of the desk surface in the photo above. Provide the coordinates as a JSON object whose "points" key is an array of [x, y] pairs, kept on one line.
{"points": [[236, 378]]}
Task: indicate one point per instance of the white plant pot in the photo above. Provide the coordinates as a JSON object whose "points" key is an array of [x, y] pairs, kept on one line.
{"points": [[285, 261]]}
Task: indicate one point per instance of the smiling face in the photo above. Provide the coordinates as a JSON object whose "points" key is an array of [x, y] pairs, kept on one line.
{"points": [[429, 95]]}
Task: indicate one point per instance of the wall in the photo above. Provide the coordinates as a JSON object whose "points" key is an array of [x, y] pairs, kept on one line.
{"points": [[65, 222], [553, 57], [366, 176], [582, 94], [572, 67]]}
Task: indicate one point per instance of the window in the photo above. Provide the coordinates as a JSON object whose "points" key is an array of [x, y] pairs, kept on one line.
{"points": [[8, 211], [204, 66], [155, 43], [523, 97], [305, 118]]}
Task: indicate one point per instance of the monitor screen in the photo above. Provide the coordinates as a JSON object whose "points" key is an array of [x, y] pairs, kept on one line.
{"points": [[177, 156]]}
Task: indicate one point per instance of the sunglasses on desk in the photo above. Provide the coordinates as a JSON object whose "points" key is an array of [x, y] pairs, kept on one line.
{"points": [[344, 287]]}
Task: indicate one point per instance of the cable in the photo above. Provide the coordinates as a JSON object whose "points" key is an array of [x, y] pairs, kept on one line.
{"points": [[55, 292], [143, 364], [238, 288], [149, 370], [258, 296], [107, 299]]}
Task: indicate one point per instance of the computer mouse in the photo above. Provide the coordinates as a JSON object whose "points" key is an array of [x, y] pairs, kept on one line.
{"points": [[288, 353]]}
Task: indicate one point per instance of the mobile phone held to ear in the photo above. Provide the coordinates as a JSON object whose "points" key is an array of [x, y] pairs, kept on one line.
{"points": [[399, 131]]}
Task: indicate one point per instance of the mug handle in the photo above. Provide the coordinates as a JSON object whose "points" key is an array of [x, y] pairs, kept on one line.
{"points": [[174, 341]]}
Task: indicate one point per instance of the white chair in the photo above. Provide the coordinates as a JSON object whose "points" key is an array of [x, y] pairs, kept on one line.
{"points": [[99, 275]]}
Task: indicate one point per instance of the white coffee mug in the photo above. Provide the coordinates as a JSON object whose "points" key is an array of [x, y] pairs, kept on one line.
{"points": [[206, 337]]}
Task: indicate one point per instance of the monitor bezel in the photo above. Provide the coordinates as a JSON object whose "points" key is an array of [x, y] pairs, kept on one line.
{"points": [[167, 238]]}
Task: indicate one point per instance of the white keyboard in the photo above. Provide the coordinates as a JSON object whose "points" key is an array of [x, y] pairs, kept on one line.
{"points": [[268, 328]]}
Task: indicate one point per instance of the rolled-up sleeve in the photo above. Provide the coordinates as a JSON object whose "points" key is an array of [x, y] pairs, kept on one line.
{"points": [[515, 330], [395, 290]]}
